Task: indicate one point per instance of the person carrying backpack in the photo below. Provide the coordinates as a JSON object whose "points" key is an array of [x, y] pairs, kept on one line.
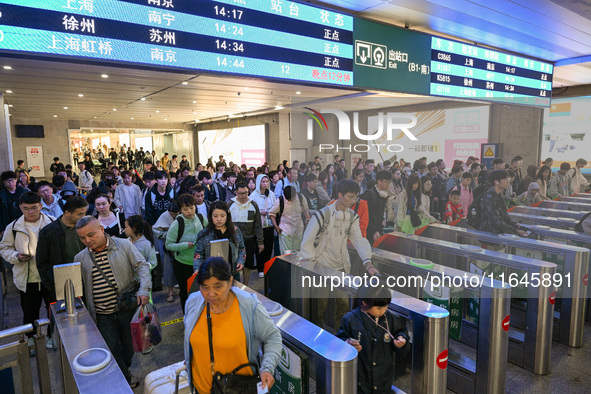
{"points": [[181, 239], [493, 212], [325, 243], [286, 216]]}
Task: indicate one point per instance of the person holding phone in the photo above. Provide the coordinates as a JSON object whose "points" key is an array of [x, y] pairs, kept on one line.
{"points": [[18, 247], [377, 334]]}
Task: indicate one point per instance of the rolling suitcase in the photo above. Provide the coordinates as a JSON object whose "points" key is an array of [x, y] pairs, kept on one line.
{"points": [[171, 379]]}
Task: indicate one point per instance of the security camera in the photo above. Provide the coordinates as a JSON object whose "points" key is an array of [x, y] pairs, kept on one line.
{"points": [[238, 93]]}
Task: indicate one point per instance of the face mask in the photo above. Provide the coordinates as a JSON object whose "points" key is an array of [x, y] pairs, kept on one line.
{"points": [[383, 193]]}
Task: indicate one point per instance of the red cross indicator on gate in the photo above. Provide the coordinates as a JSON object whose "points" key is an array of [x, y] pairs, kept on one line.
{"points": [[552, 298], [442, 359], [506, 323], [586, 279]]}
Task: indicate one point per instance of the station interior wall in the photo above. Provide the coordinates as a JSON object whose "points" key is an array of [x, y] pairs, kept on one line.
{"points": [[278, 139], [56, 142], [517, 128]]}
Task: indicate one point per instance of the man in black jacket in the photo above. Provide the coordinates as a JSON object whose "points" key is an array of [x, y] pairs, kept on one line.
{"points": [[494, 216], [376, 203], [58, 242]]}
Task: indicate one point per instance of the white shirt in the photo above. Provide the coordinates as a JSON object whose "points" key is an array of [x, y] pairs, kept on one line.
{"points": [[202, 209]]}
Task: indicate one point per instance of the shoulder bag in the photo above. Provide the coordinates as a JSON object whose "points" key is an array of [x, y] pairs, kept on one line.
{"points": [[230, 383], [127, 298]]}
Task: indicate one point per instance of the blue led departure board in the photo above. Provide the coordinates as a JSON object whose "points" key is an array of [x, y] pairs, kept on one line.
{"points": [[466, 71], [267, 38]]}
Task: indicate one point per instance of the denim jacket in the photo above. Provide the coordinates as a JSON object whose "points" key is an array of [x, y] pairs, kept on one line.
{"points": [[203, 248]]}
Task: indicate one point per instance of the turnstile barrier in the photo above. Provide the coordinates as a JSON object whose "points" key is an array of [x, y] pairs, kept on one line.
{"points": [[555, 222], [284, 279], [572, 262], [557, 213], [530, 338], [564, 205]]}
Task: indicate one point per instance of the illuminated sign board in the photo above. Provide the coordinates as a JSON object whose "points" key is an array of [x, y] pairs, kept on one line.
{"points": [[391, 58], [272, 38]]}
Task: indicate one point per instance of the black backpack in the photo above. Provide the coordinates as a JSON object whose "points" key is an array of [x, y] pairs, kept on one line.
{"points": [[579, 226], [474, 215]]}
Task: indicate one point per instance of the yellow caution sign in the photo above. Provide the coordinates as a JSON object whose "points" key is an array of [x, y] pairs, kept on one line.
{"points": [[489, 153]]}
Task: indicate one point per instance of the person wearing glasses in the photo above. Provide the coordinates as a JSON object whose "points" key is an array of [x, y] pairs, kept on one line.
{"points": [[247, 217], [18, 247]]}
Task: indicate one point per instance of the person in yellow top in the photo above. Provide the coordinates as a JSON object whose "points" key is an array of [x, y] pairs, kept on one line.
{"points": [[240, 324]]}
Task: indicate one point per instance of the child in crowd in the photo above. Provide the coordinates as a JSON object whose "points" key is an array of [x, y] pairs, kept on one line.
{"points": [[377, 334], [453, 208]]}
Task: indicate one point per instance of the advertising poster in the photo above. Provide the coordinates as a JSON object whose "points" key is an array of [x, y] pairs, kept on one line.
{"points": [[242, 145], [452, 134], [566, 136], [35, 161]]}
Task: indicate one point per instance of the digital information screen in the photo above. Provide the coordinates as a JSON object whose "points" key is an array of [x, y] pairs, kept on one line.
{"points": [[467, 71], [391, 58], [267, 38]]}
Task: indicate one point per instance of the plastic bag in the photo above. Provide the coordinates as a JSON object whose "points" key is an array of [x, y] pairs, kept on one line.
{"points": [[145, 328]]}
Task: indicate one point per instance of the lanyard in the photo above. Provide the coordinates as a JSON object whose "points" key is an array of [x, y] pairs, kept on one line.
{"points": [[375, 320]]}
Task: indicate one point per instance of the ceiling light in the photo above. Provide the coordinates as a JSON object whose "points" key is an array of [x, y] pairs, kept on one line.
{"points": [[65, 107], [246, 88], [298, 92], [114, 109], [55, 116], [157, 111], [278, 107], [10, 105], [80, 95], [131, 118], [104, 76], [194, 113], [185, 83], [165, 119], [196, 120], [143, 99], [194, 102], [9, 91], [7, 68], [95, 117], [132, 132]]}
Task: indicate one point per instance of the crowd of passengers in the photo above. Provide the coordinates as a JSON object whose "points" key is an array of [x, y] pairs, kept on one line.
{"points": [[133, 220]]}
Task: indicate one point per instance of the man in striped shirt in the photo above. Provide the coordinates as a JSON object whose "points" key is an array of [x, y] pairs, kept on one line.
{"points": [[109, 267]]}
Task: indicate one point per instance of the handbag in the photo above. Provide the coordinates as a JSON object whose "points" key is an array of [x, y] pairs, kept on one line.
{"points": [[415, 220], [230, 383], [127, 298]]}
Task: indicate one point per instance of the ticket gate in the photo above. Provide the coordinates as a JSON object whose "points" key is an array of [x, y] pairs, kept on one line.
{"points": [[564, 205], [557, 213], [530, 338], [487, 335], [562, 223], [286, 275], [571, 297], [334, 362], [566, 237], [577, 200], [582, 195]]}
